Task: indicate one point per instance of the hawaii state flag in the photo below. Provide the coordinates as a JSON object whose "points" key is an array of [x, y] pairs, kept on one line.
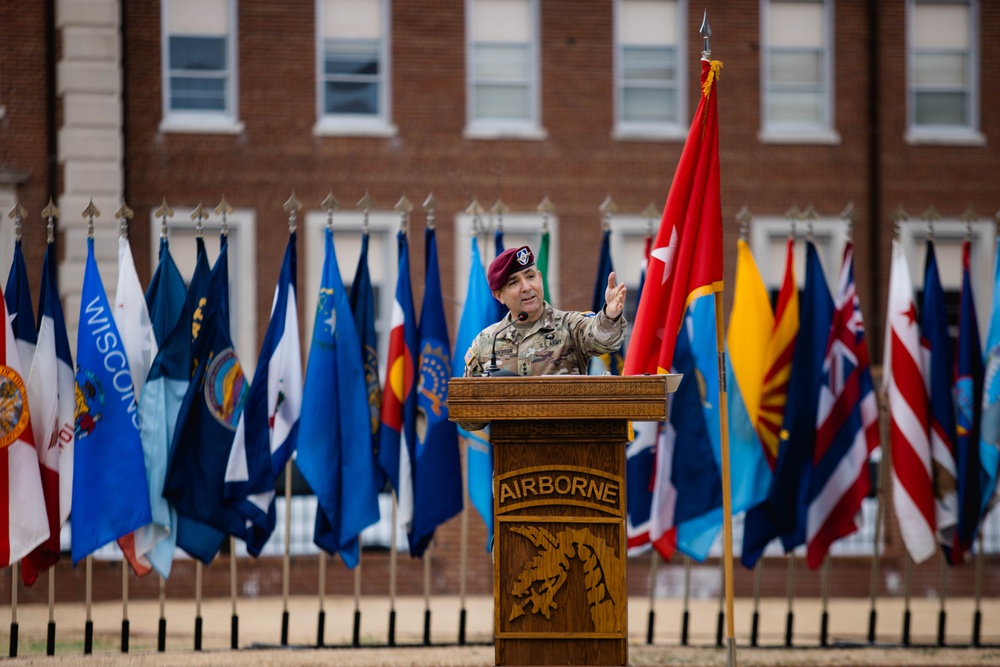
{"points": [[686, 260], [846, 426], [398, 433], [912, 484], [51, 388], [110, 496]]}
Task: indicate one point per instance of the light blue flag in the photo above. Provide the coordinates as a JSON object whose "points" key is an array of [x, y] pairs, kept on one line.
{"points": [[334, 448], [110, 496], [476, 316], [989, 430]]}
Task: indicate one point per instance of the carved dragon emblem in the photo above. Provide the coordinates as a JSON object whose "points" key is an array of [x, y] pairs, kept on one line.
{"points": [[545, 574]]}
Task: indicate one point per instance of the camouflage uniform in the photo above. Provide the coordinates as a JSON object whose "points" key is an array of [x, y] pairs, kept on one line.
{"points": [[558, 343]]}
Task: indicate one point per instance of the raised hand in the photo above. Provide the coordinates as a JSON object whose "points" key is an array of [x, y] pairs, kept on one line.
{"points": [[614, 298]]}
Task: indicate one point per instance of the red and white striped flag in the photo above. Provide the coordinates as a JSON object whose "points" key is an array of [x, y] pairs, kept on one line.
{"points": [[913, 486]]}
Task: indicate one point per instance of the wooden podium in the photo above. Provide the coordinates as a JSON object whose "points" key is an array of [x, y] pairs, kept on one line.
{"points": [[560, 596]]}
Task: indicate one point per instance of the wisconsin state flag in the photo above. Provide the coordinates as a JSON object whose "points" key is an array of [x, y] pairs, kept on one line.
{"points": [[686, 260]]}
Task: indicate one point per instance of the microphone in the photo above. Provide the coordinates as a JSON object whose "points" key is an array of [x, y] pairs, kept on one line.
{"points": [[493, 370]]}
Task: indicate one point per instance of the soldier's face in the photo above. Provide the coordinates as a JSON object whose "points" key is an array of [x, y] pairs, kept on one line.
{"points": [[523, 293]]}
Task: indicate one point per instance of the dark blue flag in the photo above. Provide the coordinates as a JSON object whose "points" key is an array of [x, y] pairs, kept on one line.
{"points": [[334, 450], [165, 295], [437, 471], [499, 310], [17, 294], [110, 496], [363, 309], [782, 514]]}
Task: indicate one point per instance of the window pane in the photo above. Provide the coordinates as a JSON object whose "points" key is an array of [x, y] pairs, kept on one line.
{"points": [[941, 109], [649, 22], [351, 98], [941, 26], [501, 21], [649, 105], [801, 108], [501, 102], [649, 64], [352, 57], [796, 67], [201, 94], [796, 23], [936, 69], [197, 53], [501, 62]]}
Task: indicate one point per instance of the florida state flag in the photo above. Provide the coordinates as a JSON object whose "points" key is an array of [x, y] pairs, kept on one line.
{"points": [[23, 522], [686, 260]]}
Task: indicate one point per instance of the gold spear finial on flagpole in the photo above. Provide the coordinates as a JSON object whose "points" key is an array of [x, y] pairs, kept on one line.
{"points": [[930, 216], [163, 213], [810, 215], [743, 217], [17, 214], [403, 207], [123, 215], [705, 31], [969, 216], [198, 215], [292, 208], [546, 208], [51, 214], [650, 213], [499, 209], [223, 210], [330, 204], [430, 205], [607, 208], [90, 213], [849, 215], [476, 210], [366, 204]]}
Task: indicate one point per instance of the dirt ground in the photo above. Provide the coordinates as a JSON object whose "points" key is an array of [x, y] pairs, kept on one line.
{"points": [[260, 634]]}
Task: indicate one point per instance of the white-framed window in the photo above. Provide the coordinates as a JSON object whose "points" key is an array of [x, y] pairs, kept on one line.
{"points": [[518, 229], [797, 71], [502, 56], [767, 237], [649, 62], [182, 234], [383, 263], [942, 62], [353, 67], [199, 56]]}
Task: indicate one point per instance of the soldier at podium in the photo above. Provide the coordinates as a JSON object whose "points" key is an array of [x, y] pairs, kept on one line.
{"points": [[534, 338]]}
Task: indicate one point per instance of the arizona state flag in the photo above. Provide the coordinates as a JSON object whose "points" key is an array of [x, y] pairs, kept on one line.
{"points": [[686, 260]]}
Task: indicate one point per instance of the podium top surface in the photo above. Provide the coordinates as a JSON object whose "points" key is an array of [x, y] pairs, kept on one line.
{"points": [[633, 397]]}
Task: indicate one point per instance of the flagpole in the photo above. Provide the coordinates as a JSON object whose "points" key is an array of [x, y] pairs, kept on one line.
{"points": [[124, 604], [907, 572], [161, 635], [463, 555], [879, 516], [758, 573], [13, 609], [392, 576], [427, 594], [356, 637], [686, 618], [977, 617], [321, 594], [825, 618], [234, 628], [942, 614], [790, 592], [653, 562], [50, 640], [88, 626], [720, 623], [287, 556], [197, 604]]}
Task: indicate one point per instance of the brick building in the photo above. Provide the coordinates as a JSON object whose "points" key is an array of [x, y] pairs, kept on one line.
{"points": [[822, 104]]}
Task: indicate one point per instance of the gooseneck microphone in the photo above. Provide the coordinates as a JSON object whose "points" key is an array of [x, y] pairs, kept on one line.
{"points": [[493, 370]]}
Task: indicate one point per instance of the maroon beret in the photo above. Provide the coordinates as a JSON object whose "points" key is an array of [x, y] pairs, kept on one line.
{"points": [[508, 262]]}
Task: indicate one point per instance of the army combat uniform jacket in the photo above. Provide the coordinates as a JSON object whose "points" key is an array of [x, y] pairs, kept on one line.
{"points": [[558, 343]]}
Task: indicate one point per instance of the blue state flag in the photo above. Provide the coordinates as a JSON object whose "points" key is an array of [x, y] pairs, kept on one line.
{"points": [[782, 514], [165, 295], [437, 472], [17, 294], [477, 314], [499, 310], [989, 422], [334, 449], [110, 497], [363, 309]]}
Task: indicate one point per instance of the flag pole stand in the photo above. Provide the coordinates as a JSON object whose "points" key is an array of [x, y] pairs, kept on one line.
{"points": [[161, 633], [13, 610], [124, 604], [758, 573], [287, 556], [790, 590], [653, 562], [879, 517], [907, 575], [824, 624], [392, 576], [321, 595], [234, 629], [942, 614], [977, 617], [463, 555], [686, 617], [50, 639], [727, 502], [356, 636], [720, 623], [427, 594], [197, 604], [88, 628]]}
